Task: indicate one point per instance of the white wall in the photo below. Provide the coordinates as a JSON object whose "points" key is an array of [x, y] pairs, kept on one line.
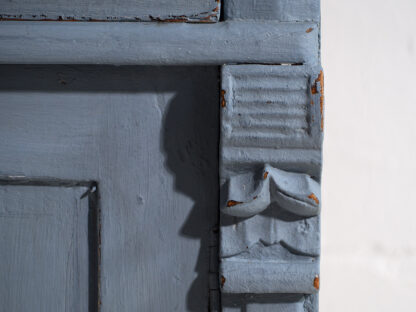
{"points": [[369, 211]]}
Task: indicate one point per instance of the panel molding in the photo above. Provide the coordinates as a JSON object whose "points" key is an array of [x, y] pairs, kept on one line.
{"points": [[44, 213]]}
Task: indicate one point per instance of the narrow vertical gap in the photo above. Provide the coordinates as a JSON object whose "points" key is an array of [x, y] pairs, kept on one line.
{"points": [[94, 245], [218, 303], [222, 16]]}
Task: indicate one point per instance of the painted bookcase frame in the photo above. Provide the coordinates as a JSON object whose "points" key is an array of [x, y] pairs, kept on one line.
{"points": [[271, 106]]}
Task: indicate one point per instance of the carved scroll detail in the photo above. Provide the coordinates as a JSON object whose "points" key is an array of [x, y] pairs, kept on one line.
{"points": [[295, 192], [271, 140]]}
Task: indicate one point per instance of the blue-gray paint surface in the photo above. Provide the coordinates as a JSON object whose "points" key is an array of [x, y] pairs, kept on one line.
{"points": [[149, 137], [233, 42], [270, 156], [277, 10], [112, 10], [44, 248]]}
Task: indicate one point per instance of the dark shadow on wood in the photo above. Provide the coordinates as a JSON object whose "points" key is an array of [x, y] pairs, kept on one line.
{"points": [[190, 139], [190, 142], [94, 245]]}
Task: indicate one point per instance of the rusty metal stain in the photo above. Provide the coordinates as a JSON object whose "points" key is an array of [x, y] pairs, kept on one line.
{"points": [[321, 81], [222, 281], [313, 196], [265, 175], [309, 30], [316, 282], [232, 203], [314, 90], [222, 96]]}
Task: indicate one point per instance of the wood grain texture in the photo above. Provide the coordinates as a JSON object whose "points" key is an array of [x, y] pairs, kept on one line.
{"points": [[44, 249], [278, 10], [158, 44], [112, 10], [149, 137]]}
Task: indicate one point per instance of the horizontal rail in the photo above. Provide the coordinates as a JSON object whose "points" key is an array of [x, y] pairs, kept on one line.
{"points": [[233, 42]]}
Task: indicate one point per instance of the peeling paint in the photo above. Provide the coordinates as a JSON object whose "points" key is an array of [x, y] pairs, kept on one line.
{"points": [[313, 196], [314, 90], [232, 203], [223, 279], [223, 102], [202, 17], [316, 282], [321, 80]]}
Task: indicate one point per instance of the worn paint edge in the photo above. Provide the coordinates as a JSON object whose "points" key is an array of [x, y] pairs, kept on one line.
{"points": [[211, 16]]}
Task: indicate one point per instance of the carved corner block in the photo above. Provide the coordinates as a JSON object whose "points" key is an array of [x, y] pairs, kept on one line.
{"points": [[270, 171]]}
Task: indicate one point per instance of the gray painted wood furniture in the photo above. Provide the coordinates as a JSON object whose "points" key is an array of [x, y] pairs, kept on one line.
{"points": [[147, 187]]}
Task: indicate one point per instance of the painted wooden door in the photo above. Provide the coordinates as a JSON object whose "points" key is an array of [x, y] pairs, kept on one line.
{"points": [[156, 186], [120, 187]]}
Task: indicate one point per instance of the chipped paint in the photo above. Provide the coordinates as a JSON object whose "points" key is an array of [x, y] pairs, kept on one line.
{"points": [[314, 90], [222, 96], [313, 196], [202, 17], [232, 203], [223, 279], [316, 282], [321, 80], [265, 175], [309, 30]]}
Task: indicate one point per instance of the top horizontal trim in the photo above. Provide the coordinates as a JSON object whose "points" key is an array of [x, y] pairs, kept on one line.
{"points": [[233, 42], [202, 11]]}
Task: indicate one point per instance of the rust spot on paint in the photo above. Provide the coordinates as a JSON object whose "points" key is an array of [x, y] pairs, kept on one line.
{"points": [[321, 81], [316, 282], [209, 19], [222, 96], [309, 30], [232, 203], [222, 281], [314, 90], [265, 175], [312, 102], [313, 196]]}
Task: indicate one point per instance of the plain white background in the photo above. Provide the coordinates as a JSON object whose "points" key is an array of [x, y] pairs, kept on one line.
{"points": [[369, 179]]}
